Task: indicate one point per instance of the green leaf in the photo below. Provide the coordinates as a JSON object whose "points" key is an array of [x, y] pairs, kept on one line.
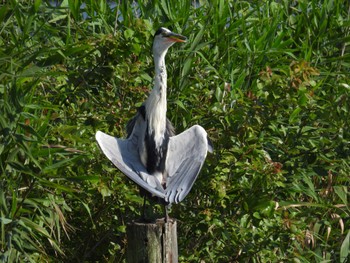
{"points": [[74, 7], [128, 33], [89, 178], [3, 12], [146, 77], [180, 104], [342, 192], [60, 164], [257, 215], [5, 221], [219, 94], [344, 249], [37, 4], [294, 115]]}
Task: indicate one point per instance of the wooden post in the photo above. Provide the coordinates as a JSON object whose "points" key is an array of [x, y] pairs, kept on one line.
{"points": [[152, 242]]}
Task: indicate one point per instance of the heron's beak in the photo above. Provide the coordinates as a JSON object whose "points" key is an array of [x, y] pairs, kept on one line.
{"points": [[176, 37]]}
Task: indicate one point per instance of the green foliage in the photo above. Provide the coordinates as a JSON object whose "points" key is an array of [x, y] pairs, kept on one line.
{"points": [[269, 81]]}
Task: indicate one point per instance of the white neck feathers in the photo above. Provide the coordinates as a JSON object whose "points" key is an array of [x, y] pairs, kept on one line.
{"points": [[156, 103]]}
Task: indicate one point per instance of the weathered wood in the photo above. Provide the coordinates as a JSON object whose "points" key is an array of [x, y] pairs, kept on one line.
{"points": [[152, 242]]}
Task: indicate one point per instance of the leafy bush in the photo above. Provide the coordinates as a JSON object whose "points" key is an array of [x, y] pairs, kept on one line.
{"points": [[269, 81]]}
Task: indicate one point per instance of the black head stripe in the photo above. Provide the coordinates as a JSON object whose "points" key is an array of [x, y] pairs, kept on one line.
{"points": [[160, 31]]}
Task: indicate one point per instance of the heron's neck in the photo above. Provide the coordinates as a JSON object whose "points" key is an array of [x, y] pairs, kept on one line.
{"points": [[156, 104], [160, 72]]}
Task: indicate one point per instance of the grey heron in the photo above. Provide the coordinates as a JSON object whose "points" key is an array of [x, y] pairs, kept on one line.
{"points": [[162, 163]]}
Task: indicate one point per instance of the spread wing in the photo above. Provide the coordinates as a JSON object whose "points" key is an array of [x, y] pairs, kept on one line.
{"points": [[123, 153], [185, 157]]}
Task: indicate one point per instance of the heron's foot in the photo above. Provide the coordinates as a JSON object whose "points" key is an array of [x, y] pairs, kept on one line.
{"points": [[167, 208]]}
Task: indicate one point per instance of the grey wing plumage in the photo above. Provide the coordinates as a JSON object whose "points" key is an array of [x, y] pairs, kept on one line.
{"points": [[185, 157], [123, 153]]}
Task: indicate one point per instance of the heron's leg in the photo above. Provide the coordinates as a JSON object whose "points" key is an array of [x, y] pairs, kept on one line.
{"points": [[166, 209], [144, 208], [166, 216]]}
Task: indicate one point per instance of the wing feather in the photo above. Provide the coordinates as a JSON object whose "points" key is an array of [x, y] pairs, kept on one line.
{"points": [[185, 157], [186, 154], [124, 155]]}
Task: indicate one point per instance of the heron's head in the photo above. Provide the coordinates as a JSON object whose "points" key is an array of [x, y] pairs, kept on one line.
{"points": [[164, 38]]}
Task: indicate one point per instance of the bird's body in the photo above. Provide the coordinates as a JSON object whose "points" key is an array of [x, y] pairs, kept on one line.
{"points": [[156, 139], [152, 156], [153, 147]]}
